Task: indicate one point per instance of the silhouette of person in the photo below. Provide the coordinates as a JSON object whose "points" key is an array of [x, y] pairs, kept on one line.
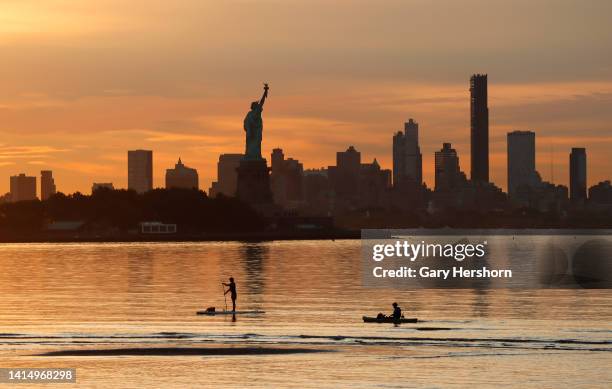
{"points": [[232, 289], [397, 312]]}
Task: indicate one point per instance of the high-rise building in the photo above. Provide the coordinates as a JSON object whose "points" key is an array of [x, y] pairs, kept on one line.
{"points": [[479, 124], [407, 158], [286, 179], [448, 174], [182, 177], [23, 188], [140, 170], [578, 174], [227, 176], [47, 184], [102, 185], [521, 161]]}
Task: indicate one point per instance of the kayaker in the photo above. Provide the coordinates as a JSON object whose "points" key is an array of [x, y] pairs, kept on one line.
{"points": [[397, 312], [231, 289]]}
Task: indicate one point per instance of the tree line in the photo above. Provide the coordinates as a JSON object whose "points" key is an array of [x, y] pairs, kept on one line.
{"points": [[123, 210]]}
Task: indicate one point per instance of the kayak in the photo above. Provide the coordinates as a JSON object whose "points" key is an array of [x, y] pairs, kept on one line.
{"points": [[214, 313], [369, 319]]}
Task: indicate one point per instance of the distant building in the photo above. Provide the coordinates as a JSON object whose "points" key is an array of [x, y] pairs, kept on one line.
{"points": [[157, 228], [102, 185], [521, 161], [47, 184], [23, 188], [374, 185], [544, 197], [448, 175], [182, 177], [227, 176], [601, 193], [407, 158], [286, 179], [345, 177], [453, 190], [140, 170], [525, 186], [355, 185], [578, 174], [479, 128], [317, 191]]}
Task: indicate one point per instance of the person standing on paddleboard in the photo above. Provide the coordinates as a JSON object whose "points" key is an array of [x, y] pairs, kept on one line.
{"points": [[231, 288]]}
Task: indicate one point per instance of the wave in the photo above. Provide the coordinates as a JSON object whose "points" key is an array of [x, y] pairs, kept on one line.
{"points": [[307, 339]]}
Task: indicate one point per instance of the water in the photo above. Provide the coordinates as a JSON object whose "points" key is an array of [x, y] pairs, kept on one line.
{"points": [[71, 297]]}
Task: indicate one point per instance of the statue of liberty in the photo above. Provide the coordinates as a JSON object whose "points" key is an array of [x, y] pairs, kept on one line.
{"points": [[253, 126]]}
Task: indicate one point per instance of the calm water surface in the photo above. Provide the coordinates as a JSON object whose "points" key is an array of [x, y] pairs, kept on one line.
{"points": [[57, 297]]}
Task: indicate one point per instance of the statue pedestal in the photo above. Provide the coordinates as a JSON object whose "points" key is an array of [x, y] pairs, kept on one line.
{"points": [[253, 185]]}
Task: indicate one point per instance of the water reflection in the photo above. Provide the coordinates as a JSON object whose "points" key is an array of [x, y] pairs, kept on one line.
{"points": [[139, 269], [480, 302], [254, 257]]}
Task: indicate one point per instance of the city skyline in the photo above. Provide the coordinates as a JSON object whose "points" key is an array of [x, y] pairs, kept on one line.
{"points": [[409, 136], [116, 78]]}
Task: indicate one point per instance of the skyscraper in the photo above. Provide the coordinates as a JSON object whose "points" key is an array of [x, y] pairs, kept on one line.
{"points": [[448, 175], [23, 188], [521, 161], [407, 158], [181, 177], [47, 184], [227, 175], [479, 124], [578, 174], [140, 170]]}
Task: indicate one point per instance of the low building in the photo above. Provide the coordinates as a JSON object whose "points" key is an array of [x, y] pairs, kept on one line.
{"points": [[182, 177], [23, 188], [601, 193], [157, 228], [102, 185], [317, 191]]}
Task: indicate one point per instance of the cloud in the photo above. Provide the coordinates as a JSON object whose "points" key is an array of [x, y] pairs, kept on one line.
{"points": [[7, 152]]}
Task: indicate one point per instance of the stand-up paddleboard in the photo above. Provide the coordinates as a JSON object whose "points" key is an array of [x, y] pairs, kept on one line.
{"points": [[386, 319], [214, 313]]}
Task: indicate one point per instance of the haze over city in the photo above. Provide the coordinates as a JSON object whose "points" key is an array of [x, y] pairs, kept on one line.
{"points": [[83, 83]]}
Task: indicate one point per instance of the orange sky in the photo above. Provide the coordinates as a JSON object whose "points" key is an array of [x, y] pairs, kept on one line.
{"points": [[83, 82]]}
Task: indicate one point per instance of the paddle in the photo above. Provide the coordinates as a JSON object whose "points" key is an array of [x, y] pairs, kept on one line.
{"points": [[224, 297]]}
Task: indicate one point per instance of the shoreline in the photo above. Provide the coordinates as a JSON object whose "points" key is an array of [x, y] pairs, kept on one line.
{"points": [[268, 236], [218, 237]]}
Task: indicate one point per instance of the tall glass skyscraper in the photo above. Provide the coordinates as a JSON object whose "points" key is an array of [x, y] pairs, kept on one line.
{"points": [[479, 124]]}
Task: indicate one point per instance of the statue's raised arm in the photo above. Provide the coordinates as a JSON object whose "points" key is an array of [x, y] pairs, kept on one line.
{"points": [[265, 94]]}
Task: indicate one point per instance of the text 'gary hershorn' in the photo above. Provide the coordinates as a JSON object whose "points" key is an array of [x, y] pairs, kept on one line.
{"points": [[434, 251]]}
